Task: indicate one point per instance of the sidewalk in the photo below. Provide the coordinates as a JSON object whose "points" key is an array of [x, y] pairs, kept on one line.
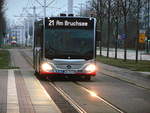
{"points": [[131, 54]]}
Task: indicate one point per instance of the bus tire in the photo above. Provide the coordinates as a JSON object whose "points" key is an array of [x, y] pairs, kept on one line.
{"points": [[39, 76], [36, 73]]}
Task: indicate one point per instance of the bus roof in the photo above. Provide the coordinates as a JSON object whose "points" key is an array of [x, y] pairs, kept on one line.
{"points": [[70, 17], [75, 17]]}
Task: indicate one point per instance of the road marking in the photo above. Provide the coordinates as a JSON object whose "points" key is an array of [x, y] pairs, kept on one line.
{"points": [[12, 99], [98, 97], [68, 98]]}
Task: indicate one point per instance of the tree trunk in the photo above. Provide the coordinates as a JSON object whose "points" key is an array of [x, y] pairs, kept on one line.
{"points": [[100, 46], [108, 38], [125, 40], [101, 25], [100, 43], [137, 39], [116, 41]]}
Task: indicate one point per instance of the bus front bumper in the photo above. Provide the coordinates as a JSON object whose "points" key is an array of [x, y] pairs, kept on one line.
{"points": [[67, 73]]}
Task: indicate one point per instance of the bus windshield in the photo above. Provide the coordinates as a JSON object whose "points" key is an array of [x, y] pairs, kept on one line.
{"points": [[69, 43]]}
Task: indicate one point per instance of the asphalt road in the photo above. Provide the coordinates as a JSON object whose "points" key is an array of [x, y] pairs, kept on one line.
{"points": [[112, 94]]}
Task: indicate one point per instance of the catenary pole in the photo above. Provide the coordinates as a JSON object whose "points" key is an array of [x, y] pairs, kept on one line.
{"points": [[34, 17], [44, 8], [70, 6]]}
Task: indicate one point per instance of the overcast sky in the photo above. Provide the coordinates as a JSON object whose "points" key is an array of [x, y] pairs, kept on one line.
{"points": [[15, 7]]}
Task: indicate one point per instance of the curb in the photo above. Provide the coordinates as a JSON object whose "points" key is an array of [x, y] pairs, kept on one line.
{"points": [[116, 76]]}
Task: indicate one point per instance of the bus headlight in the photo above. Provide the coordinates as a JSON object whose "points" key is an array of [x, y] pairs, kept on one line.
{"points": [[90, 68], [46, 67]]}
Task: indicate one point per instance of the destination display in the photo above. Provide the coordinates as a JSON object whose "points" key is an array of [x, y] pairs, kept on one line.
{"points": [[84, 23]]}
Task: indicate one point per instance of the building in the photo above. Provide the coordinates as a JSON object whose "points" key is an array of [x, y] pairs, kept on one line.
{"points": [[17, 33]]}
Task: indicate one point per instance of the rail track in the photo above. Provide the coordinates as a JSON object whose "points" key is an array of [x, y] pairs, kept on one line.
{"points": [[48, 84]]}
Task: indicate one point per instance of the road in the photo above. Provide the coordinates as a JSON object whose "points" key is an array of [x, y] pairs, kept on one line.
{"points": [[108, 92]]}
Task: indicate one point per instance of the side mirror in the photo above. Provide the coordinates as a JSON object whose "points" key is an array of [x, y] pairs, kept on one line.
{"points": [[98, 36]]}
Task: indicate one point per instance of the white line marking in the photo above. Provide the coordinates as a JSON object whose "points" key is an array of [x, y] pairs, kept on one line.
{"points": [[68, 98], [12, 98]]}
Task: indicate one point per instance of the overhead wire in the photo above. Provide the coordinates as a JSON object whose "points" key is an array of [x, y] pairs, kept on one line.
{"points": [[32, 3], [48, 2], [25, 8]]}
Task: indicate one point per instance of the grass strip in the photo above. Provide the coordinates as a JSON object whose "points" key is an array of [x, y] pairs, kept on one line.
{"points": [[129, 64], [5, 60]]}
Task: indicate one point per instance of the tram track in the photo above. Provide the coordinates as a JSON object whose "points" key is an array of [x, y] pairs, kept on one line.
{"points": [[67, 97], [90, 92], [74, 104], [49, 85], [100, 98]]}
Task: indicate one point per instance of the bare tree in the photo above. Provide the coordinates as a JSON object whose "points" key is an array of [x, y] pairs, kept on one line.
{"points": [[112, 17], [135, 10], [137, 39], [119, 15], [108, 18], [99, 6], [116, 19], [125, 9], [148, 26], [101, 14], [2, 21]]}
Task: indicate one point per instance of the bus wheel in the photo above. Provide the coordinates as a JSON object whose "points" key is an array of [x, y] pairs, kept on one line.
{"points": [[87, 78], [36, 73], [40, 77]]}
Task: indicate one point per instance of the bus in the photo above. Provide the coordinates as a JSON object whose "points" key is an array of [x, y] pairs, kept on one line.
{"points": [[65, 46]]}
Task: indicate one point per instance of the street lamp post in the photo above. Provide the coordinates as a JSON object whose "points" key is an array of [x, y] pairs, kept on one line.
{"points": [[70, 6]]}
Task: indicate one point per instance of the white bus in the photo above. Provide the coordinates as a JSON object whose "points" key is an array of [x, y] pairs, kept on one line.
{"points": [[65, 46]]}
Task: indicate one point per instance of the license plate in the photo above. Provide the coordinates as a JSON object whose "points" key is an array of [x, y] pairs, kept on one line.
{"points": [[60, 71], [69, 72]]}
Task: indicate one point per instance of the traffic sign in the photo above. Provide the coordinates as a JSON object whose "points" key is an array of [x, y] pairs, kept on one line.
{"points": [[142, 38], [123, 36]]}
